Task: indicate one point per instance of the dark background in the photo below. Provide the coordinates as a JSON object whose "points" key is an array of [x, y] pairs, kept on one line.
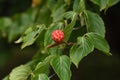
{"points": [[95, 66]]}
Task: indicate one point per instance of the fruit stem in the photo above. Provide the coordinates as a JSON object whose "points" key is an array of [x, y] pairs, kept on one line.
{"points": [[52, 45], [55, 44]]}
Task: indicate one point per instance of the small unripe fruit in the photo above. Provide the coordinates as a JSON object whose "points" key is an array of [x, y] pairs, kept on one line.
{"points": [[58, 36]]}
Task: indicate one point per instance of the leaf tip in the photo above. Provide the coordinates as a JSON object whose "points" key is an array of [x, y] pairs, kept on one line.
{"points": [[76, 64], [19, 40], [110, 54], [22, 47]]}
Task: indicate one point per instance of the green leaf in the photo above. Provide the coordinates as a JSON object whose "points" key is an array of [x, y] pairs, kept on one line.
{"points": [[99, 42], [61, 65], [6, 78], [69, 28], [20, 73], [79, 6], [53, 4], [40, 54], [75, 5], [57, 8], [31, 34], [26, 18], [67, 2], [69, 15], [58, 13], [112, 2], [82, 19], [43, 67], [82, 49], [44, 16], [105, 4], [41, 77], [101, 3], [94, 23], [20, 23], [5, 23], [14, 31]]}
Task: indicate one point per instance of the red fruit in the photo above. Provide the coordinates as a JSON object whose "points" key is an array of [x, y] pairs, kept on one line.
{"points": [[57, 36]]}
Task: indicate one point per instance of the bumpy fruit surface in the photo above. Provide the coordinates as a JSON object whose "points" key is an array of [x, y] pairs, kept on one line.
{"points": [[57, 36]]}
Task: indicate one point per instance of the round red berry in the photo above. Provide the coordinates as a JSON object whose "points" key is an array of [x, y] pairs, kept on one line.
{"points": [[57, 36]]}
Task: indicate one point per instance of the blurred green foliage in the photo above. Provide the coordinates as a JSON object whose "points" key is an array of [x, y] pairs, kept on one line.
{"points": [[34, 27]]}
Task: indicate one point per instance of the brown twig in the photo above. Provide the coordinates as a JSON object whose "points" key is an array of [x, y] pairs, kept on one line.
{"points": [[56, 44], [52, 45]]}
